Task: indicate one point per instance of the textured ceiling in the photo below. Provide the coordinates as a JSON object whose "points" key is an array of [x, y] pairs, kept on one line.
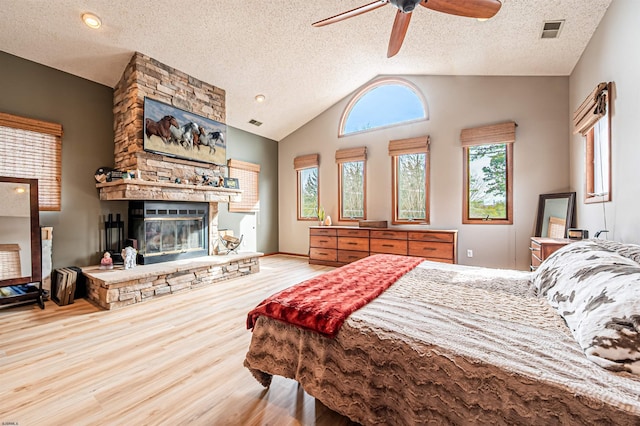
{"points": [[269, 47]]}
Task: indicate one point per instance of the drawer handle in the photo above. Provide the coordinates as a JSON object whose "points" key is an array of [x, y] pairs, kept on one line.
{"points": [[387, 245], [323, 254], [351, 243], [324, 241], [534, 249], [428, 248]]}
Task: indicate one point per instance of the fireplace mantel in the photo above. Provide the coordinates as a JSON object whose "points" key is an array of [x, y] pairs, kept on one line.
{"points": [[138, 189]]}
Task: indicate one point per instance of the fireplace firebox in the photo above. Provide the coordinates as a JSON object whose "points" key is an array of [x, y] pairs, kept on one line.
{"points": [[167, 231]]}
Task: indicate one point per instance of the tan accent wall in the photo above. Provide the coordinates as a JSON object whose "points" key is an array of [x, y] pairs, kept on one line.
{"points": [[541, 157], [611, 55]]}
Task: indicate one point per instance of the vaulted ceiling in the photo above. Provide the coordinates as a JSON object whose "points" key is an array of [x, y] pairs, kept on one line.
{"points": [[269, 47]]}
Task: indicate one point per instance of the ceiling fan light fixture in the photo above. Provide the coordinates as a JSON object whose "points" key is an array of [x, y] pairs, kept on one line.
{"points": [[91, 20]]}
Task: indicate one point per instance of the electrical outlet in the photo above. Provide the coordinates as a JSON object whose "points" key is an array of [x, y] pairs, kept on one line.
{"points": [[469, 253]]}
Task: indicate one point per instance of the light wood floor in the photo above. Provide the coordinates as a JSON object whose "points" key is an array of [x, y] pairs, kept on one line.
{"points": [[174, 360]]}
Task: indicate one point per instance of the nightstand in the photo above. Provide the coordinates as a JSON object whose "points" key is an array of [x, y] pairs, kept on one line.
{"points": [[542, 247]]}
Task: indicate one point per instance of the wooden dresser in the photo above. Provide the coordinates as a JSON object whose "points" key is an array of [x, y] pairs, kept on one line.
{"points": [[339, 245], [542, 247]]}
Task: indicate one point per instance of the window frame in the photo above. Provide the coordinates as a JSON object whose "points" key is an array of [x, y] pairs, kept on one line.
{"points": [[397, 149], [372, 86], [352, 155], [590, 195], [301, 163], [498, 134], [299, 193]]}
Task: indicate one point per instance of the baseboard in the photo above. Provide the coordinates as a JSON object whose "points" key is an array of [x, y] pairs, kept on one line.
{"points": [[287, 254]]}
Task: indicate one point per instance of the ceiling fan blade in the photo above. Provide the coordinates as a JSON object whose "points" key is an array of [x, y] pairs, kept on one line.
{"points": [[351, 13], [398, 32], [483, 9]]}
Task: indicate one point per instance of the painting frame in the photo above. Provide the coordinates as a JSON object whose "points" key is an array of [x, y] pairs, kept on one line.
{"points": [[232, 183], [174, 132]]}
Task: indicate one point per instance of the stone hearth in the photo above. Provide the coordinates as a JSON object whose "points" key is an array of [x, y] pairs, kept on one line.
{"points": [[115, 288]]}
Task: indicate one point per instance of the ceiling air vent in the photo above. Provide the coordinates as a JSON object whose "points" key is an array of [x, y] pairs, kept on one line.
{"points": [[551, 29], [255, 122]]}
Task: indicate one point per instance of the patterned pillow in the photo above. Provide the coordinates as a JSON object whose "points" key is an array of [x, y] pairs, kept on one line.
{"points": [[597, 292]]}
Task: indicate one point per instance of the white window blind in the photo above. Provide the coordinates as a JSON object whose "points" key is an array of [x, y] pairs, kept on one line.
{"points": [[247, 175], [33, 149]]}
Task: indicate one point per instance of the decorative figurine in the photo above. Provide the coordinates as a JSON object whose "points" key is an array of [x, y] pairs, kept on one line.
{"points": [[106, 262], [221, 182], [129, 256]]}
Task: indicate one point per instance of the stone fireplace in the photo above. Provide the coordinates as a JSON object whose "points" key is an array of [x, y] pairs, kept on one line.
{"points": [[156, 174], [155, 182]]}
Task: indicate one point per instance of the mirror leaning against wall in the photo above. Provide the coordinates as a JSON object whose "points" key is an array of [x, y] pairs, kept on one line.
{"points": [[556, 214], [20, 247]]}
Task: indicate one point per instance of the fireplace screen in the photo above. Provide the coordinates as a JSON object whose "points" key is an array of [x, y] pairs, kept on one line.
{"points": [[168, 231]]}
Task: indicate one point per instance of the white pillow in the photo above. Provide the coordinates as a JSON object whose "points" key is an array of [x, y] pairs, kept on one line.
{"points": [[597, 292]]}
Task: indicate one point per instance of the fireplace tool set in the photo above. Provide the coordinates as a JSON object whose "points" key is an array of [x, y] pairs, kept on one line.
{"points": [[114, 237]]}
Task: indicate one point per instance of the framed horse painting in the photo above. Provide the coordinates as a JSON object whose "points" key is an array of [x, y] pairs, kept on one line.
{"points": [[178, 133]]}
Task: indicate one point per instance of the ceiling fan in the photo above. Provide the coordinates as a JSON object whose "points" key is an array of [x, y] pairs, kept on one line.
{"points": [[482, 9]]}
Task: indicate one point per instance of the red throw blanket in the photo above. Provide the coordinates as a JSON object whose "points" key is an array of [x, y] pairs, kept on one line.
{"points": [[323, 303]]}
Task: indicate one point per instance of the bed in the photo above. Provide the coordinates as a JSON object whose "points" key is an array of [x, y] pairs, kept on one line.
{"points": [[453, 344]]}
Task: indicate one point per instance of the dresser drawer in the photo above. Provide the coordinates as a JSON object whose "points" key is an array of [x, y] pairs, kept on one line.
{"points": [[323, 242], [331, 232], [361, 233], [443, 237], [390, 235], [348, 256], [351, 243], [431, 249], [330, 255], [435, 259], [380, 245], [535, 261]]}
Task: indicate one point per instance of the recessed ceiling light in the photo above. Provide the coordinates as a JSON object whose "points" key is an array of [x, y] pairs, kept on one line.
{"points": [[91, 20], [260, 98]]}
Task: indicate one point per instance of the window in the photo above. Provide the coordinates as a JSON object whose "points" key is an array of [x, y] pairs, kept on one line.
{"points": [[32, 149], [488, 174], [247, 175], [308, 186], [410, 180], [598, 161], [352, 198], [592, 120], [383, 103]]}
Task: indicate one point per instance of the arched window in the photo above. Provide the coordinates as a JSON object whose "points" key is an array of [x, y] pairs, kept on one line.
{"points": [[383, 103]]}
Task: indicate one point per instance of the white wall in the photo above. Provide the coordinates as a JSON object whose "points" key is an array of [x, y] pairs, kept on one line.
{"points": [[612, 55], [538, 105]]}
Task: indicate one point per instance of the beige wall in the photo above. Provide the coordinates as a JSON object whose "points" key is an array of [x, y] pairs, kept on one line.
{"points": [[538, 105], [612, 55]]}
